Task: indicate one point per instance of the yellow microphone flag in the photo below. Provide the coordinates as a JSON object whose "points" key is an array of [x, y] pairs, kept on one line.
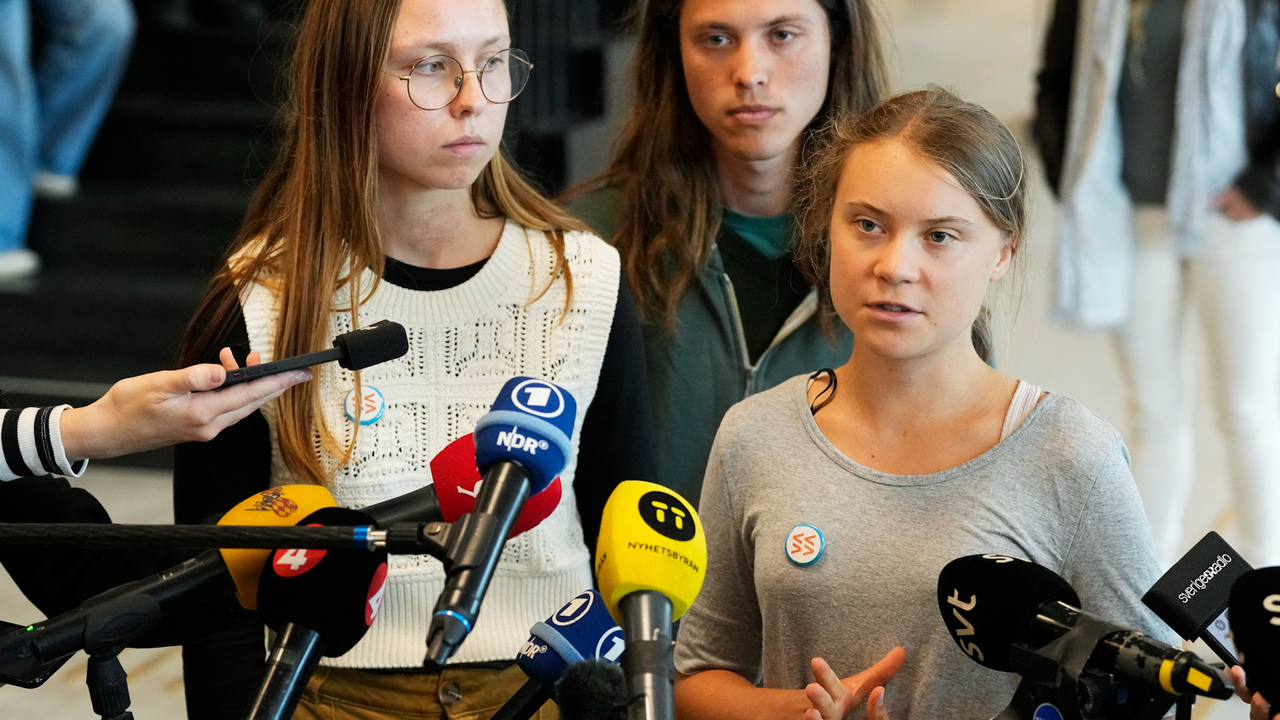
{"points": [[650, 539], [279, 507]]}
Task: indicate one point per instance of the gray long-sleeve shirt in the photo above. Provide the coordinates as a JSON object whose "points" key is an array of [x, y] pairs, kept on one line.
{"points": [[1057, 491]]}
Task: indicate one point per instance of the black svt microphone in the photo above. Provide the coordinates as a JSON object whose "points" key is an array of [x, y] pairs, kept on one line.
{"points": [[377, 343], [1192, 597], [1255, 627], [991, 602], [319, 603]]}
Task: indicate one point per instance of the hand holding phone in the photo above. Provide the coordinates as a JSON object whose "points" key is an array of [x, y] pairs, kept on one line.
{"points": [[377, 343]]}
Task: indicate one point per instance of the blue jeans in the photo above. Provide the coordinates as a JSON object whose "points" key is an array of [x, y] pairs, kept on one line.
{"points": [[50, 109]]}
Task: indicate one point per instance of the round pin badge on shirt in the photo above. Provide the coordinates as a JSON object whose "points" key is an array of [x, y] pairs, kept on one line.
{"points": [[804, 544], [373, 404]]}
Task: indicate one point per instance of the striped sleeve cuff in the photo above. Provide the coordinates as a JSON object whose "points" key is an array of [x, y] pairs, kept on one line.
{"points": [[31, 444]]}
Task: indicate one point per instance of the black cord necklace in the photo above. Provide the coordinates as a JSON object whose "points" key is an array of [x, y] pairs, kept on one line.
{"points": [[829, 391]]}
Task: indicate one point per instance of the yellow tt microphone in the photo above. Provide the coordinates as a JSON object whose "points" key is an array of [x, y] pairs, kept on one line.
{"points": [[279, 506], [651, 557]]}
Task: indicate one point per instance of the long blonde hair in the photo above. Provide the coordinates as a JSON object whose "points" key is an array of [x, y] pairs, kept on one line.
{"points": [[312, 226]]}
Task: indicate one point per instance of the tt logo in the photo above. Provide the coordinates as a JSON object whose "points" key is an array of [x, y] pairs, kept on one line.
{"points": [[660, 512], [667, 515]]}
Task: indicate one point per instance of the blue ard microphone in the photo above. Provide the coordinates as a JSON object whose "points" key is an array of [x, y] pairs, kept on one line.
{"points": [[581, 631], [522, 444]]}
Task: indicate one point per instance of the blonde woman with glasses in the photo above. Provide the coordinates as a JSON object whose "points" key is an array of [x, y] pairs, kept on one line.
{"points": [[392, 199]]}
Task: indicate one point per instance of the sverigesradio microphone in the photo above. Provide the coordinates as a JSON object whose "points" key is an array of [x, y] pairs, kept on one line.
{"points": [[1192, 597]]}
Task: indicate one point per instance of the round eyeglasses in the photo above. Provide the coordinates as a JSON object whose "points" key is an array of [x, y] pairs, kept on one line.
{"points": [[435, 81]]}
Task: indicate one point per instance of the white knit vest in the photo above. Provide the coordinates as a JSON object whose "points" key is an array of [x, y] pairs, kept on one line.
{"points": [[464, 343]]}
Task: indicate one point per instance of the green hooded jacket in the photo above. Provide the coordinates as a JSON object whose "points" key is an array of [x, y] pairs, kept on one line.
{"points": [[702, 367]]}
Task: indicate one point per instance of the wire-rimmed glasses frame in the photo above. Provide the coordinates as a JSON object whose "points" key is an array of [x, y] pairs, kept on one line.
{"points": [[434, 77]]}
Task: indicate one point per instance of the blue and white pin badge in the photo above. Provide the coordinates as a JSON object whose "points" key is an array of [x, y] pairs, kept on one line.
{"points": [[372, 404], [804, 544]]}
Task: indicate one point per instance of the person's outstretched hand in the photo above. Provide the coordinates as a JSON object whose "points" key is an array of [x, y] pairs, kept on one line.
{"points": [[168, 407], [833, 698]]}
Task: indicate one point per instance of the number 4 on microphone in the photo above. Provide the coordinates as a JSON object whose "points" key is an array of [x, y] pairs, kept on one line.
{"points": [[293, 562]]}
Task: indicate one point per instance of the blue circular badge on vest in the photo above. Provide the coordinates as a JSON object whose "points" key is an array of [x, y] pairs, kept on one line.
{"points": [[804, 544], [372, 405], [1047, 712]]}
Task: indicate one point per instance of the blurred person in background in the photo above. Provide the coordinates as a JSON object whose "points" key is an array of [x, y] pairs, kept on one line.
{"points": [[52, 104], [1162, 140], [698, 200]]}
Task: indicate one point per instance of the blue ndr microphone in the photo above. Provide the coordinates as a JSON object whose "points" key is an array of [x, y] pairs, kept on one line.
{"points": [[530, 423], [522, 444], [581, 630]]}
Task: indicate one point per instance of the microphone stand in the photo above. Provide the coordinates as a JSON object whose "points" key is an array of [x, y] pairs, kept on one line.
{"points": [[437, 539], [106, 632], [525, 703], [1056, 674], [294, 656], [115, 622]]}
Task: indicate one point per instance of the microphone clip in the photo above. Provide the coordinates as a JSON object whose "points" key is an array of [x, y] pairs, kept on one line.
{"points": [[1056, 674], [437, 539], [446, 542]]}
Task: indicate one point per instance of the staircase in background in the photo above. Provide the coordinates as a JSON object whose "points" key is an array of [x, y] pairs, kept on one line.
{"points": [[170, 175]]}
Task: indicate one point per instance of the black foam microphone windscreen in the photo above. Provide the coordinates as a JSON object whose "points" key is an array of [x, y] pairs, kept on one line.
{"points": [[382, 341], [1255, 625], [593, 689], [336, 593], [984, 617]]}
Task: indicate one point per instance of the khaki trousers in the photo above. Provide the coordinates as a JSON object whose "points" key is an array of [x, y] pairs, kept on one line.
{"points": [[461, 694]]}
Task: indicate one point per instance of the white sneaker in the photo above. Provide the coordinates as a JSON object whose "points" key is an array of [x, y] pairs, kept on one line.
{"points": [[52, 186], [18, 264]]}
